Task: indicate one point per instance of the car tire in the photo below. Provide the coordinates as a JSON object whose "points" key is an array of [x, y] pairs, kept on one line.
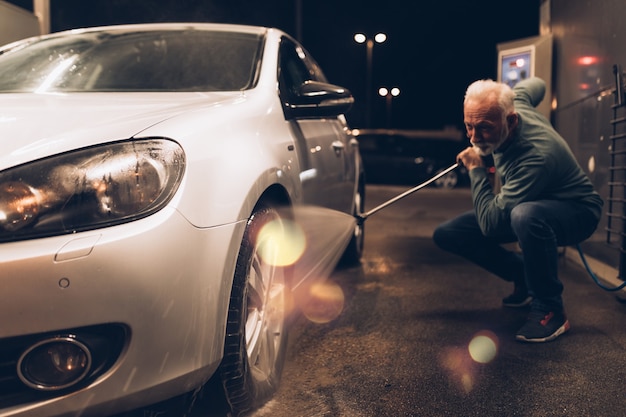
{"points": [[354, 251], [450, 180], [256, 330]]}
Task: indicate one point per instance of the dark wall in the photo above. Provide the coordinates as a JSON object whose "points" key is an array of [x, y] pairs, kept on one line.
{"points": [[589, 38]]}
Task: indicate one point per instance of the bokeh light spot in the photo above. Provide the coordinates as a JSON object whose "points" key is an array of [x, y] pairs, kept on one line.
{"points": [[460, 367], [324, 303], [483, 347], [281, 242], [467, 382]]}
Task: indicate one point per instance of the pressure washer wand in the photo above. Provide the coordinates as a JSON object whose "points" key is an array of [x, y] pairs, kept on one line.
{"points": [[361, 217]]}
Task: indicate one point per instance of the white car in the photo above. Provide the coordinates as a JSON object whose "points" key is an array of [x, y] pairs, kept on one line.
{"points": [[138, 167]]}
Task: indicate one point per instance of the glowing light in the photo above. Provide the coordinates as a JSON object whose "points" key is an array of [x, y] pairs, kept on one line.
{"points": [[461, 370], [591, 164], [359, 38], [281, 242], [325, 302], [467, 382], [587, 60], [483, 347], [512, 75], [462, 364], [19, 205], [520, 62], [380, 37], [384, 91]]}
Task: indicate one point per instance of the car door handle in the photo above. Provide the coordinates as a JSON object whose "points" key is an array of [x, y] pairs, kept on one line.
{"points": [[338, 146]]}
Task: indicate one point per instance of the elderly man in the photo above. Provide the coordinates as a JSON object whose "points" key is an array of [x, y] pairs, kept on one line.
{"points": [[545, 201]]}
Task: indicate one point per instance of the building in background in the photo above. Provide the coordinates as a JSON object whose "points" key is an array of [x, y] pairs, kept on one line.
{"points": [[16, 23]]}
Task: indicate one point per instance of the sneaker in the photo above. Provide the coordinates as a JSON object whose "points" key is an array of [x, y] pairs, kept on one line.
{"points": [[543, 327], [517, 300]]}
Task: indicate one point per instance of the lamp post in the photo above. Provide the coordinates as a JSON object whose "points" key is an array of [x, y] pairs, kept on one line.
{"points": [[369, 44], [389, 94]]}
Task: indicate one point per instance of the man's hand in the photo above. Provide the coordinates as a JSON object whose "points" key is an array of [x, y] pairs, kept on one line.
{"points": [[470, 158]]}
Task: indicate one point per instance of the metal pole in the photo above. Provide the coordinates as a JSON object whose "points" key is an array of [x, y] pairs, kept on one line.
{"points": [[299, 20], [368, 82], [389, 98], [41, 9]]}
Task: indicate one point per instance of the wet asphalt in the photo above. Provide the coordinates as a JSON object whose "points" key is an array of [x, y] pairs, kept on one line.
{"points": [[421, 332], [405, 343]]}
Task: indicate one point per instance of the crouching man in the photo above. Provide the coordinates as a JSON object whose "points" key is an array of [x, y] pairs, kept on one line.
{"points": [[545, 201]]}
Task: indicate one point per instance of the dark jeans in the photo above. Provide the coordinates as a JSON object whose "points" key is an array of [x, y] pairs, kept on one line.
{"points": [[540, 227]]}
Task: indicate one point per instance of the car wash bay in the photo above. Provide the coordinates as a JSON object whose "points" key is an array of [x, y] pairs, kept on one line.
{"points": [[423, 333]]}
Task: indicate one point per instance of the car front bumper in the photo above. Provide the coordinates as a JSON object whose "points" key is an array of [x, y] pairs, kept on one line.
{"points": [[163, 280]]}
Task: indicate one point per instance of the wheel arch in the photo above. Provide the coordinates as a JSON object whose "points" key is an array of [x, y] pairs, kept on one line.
{"points": [[274, 196]]}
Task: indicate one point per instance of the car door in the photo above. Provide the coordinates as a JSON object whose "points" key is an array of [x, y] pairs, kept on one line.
{"points": [[326, 149]]}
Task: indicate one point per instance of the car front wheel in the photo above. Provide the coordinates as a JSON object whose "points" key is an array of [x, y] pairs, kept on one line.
{"points": [[256, 333]]}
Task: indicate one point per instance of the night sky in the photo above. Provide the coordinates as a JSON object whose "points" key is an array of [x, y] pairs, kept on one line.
{"points": [[433, 51]]}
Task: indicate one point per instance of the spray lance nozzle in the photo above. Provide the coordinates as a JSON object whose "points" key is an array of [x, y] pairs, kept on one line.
{"points": [[360, 218]]}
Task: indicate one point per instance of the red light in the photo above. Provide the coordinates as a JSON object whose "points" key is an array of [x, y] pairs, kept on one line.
{"points": [[587, 60]]}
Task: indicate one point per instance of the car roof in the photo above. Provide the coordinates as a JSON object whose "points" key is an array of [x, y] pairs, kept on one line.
{"points": [[172, 26]]}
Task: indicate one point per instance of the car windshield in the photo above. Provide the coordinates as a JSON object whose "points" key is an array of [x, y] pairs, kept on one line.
{"points": [[155, 60]]}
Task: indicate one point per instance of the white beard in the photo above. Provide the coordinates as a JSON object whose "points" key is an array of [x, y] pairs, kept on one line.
{"points": [[486, 149]]}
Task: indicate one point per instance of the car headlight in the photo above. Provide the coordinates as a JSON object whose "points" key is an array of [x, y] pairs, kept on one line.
{"points": [[89, 188]]}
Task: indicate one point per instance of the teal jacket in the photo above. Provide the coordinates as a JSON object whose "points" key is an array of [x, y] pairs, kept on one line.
{"points": [[537, 164]]}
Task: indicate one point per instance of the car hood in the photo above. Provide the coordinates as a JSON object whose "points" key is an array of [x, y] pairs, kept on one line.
{"points": [[33, 126]]}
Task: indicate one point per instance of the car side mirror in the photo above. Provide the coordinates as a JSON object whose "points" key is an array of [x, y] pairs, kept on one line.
{"points": [[317, 99]]}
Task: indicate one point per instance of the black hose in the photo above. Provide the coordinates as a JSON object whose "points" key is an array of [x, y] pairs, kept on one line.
{"points": [[595, 278]]}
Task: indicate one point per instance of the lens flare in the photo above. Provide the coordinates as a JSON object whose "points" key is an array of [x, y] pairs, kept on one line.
{"points": [[483, 347], [463, 363], [460, 368], [325, 302], [281, 242]]}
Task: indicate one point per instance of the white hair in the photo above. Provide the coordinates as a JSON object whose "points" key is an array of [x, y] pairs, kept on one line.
{"points": [[485, 89]]}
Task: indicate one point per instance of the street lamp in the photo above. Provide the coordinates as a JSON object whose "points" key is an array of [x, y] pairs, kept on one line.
{"points": [[389, 95], [369, 43]]}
